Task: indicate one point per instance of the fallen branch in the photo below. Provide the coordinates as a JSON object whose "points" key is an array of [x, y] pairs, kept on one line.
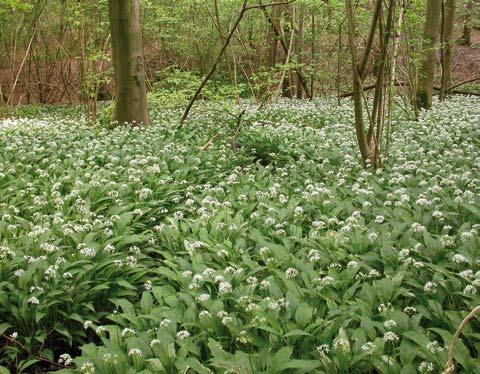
{"points": [[462, 83], [39, 357], [450, 365], [371, 87], [450, 90]]}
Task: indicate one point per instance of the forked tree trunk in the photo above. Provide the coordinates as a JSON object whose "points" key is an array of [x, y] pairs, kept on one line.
{"points": [[427, 66], [369, 141], [447, 47], [130, 89]]}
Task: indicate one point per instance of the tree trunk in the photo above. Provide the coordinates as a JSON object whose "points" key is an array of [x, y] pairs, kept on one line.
{"points": [[130, 89], [300, 48], [272, 37], [466, 38], [447, 47], [427, 66]]}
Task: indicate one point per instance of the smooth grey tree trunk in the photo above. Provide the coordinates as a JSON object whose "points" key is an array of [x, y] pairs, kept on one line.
{"points": [[428, 59], [127, 56]]}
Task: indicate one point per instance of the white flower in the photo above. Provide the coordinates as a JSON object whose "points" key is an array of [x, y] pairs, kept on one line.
{"points": [[135, 352], [178, 215], [148, 285], [323, 350], [264, 284], [165, 322], [458, 259], [18, 272], [416, 227], [383, 308], [33, 300], [264, 251], [126, 332], [88, 252], [154, 342], [204, 314], [291, 273], [313, 255], [410, 310], [466, 274], [224, 288], [434, 347], [183, 334], [426, 367], [269, 221], [341, 344], [430, 287], [390, 324], [298, 211], [87, 368], [65, 359], [368, 347], [203, 297], [100, 330], [352, 264], [87, 324], [379, 219], [390, 336], [470, 290], [324, 281]]}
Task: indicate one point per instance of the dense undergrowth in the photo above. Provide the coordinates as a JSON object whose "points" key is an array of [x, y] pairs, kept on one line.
{"points": [[268, 250]]}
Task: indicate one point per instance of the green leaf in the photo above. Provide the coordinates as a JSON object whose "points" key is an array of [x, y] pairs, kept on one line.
{"points": [[306, 365], [303, 314], [4, 327], [126, 284], [408, 351], [297, 332], [26, 364], [146, 302], [385, 289]]}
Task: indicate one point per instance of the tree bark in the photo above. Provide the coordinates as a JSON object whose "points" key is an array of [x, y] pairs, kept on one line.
{"points": [[466, 38], [127, 56], [272, 38], [283, 44], [427, 66], [447, 47], [299, 45]]}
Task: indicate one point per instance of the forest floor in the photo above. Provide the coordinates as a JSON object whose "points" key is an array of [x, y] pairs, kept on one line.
{"points": [[467, 59], [264, 248]]}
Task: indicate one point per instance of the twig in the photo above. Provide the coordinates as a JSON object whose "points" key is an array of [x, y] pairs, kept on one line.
{"points": [[237, 130], [38, 357], [210, 142], [284, 44], [222, 51], [450, 365]]}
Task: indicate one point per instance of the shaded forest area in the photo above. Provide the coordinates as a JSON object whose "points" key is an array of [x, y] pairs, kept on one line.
{"points": [[59, 51]]}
